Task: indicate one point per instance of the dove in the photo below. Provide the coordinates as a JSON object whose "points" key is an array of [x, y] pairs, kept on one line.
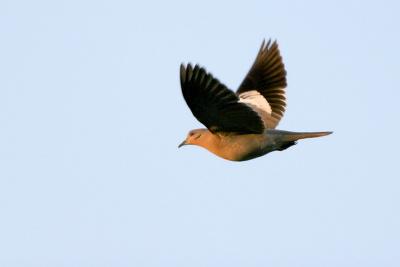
{"points": [[241, 125]]}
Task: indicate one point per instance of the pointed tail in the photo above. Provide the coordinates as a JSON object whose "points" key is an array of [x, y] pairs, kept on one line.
{"points": [[294, 136]]}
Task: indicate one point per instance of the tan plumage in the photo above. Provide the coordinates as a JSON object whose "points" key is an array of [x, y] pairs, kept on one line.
{"points": [[241, 126]]}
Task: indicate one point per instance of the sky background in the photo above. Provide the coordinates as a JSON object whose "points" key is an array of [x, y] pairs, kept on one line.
{"points": [[91, 114]]}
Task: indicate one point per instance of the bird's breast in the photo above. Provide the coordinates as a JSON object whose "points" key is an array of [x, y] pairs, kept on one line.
{"points": [[242, 147]]}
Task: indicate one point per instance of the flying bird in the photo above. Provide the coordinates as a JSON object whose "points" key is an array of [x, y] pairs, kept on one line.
{"points": [[241, 126]]}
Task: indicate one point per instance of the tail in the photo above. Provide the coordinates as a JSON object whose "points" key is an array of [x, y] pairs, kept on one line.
{"points": [[294, 136]]}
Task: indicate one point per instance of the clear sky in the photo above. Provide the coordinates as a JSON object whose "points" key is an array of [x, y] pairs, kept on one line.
{"points": [[91, 114]]}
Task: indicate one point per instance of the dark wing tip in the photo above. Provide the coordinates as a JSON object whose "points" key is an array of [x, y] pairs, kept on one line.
{"points": [[182, 72]]}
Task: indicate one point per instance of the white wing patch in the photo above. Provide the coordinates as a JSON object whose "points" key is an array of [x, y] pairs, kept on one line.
{"points": [[256, 101], [260, 105]]}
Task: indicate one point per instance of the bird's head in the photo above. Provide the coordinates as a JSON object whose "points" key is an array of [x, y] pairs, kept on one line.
{"points": [[194, 137]]}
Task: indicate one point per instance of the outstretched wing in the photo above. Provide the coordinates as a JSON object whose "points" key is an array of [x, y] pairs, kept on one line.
{"points": [[214, 105], [263, 88]]}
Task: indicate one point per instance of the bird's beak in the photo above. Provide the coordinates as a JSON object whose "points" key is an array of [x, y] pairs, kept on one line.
{"points": [[182, 144]]}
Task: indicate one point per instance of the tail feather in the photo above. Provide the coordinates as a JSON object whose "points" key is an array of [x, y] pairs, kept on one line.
{"points": [[293, 136]]}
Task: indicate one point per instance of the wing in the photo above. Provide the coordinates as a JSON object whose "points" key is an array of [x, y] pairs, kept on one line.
{"points": [[264, 85], [214, 105]]}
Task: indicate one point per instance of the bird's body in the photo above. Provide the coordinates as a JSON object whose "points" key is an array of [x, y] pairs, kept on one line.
{"points": [[243, 147], [241, 125]]}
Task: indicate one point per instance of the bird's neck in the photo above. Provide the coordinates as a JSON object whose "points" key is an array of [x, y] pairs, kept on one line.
{"points": [[219, 145], [210, 141]]}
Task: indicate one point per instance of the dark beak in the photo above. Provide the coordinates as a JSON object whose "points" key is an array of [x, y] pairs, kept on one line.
{"points": [[182, 144]]}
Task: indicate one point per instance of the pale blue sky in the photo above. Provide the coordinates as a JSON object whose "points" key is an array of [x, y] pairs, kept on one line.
{"points": [[91, 114]]}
